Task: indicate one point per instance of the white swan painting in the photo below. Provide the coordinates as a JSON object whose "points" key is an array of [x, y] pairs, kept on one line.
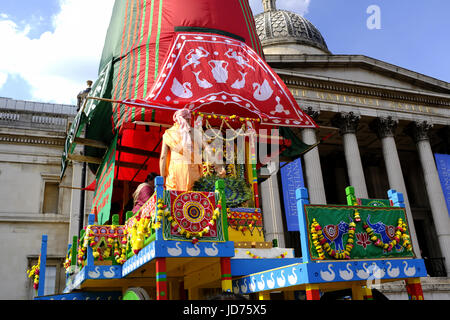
{"points": [[263, 91], [109, 273], [271, 282], [409, 271], [281, 281], [244, 287], [193, 252], [261, 284], [212, 252], [94, 274], [363, 273], [252, 284], [181, 90], [174, 252], [346, 274], [235, 288], [292, 278], [392, 272], [328, 275], [378, 273]]}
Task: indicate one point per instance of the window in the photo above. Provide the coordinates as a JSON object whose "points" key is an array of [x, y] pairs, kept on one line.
{"points": [[54, 276], [51, 196], [50, 280], [50, 201]]}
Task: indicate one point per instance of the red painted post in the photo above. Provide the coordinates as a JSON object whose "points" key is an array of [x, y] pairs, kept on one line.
{"points": [[414, 289], [161, 279], [225, 270], [312, 292]]}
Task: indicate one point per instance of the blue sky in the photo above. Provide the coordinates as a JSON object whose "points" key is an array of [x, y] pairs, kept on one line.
{"points": [[42, 59]]}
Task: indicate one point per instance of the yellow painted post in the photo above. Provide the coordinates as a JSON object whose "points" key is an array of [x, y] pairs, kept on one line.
{"points": [[367, 293], [289, 295], [358, 292], [264, 295]]}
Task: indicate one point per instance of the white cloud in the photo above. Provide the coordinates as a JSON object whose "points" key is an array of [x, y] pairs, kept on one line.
{"points": [[3, 78], [57, 64], [298, 6]]}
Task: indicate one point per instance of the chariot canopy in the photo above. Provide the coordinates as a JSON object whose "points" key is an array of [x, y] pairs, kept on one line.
{"points": [[212, 73], [161, 56]]}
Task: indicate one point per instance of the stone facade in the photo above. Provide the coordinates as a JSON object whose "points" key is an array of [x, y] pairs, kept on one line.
{"points": [[387, 122], [33, 203]]}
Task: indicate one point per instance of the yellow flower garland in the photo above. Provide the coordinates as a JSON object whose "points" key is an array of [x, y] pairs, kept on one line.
{"points": [[400, 234], [196, 235], [143, 226], [100, 254], [321, 245], [254, 256], [34, 272]]}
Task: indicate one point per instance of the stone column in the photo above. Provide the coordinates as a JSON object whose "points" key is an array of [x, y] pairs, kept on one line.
{"points": [[313, 169], [347, 122], [271, 208], [419, 131], [384, 128]]}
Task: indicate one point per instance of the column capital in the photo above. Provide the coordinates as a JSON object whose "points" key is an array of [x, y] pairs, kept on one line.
{"points": [[347, 122], [419, 130], [312, 111], [384, 126]]}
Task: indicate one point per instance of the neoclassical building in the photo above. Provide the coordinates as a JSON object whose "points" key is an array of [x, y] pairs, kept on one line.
{"points": [[383, 124], [386, 123], [33, 200]]}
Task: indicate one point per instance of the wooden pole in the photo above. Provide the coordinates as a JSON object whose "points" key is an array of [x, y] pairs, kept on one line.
{"points": [[42, 266], [161, 279], [225, 270], [312, 292]]}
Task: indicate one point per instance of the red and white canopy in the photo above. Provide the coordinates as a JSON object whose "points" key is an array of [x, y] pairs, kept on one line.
{"points": [[217, 74]]}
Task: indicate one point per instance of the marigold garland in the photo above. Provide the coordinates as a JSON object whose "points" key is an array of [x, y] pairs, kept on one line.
{"points": [[400, 234], [321, 244], [113, 246], [254, 256], [196, 235], [231, 215], [34, 272]]}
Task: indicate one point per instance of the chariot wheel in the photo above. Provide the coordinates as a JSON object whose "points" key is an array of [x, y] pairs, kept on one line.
{"points": [[136, 293]]}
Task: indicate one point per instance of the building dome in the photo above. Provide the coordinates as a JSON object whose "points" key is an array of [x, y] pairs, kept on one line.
{"points": [[287, 32]]}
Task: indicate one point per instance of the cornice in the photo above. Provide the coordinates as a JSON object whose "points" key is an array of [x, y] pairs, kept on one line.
{"points": [[297, 79], [30, 140], [365, 62]]}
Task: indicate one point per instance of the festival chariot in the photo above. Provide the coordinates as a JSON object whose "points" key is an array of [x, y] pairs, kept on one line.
{"points": [[201, 233]]}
